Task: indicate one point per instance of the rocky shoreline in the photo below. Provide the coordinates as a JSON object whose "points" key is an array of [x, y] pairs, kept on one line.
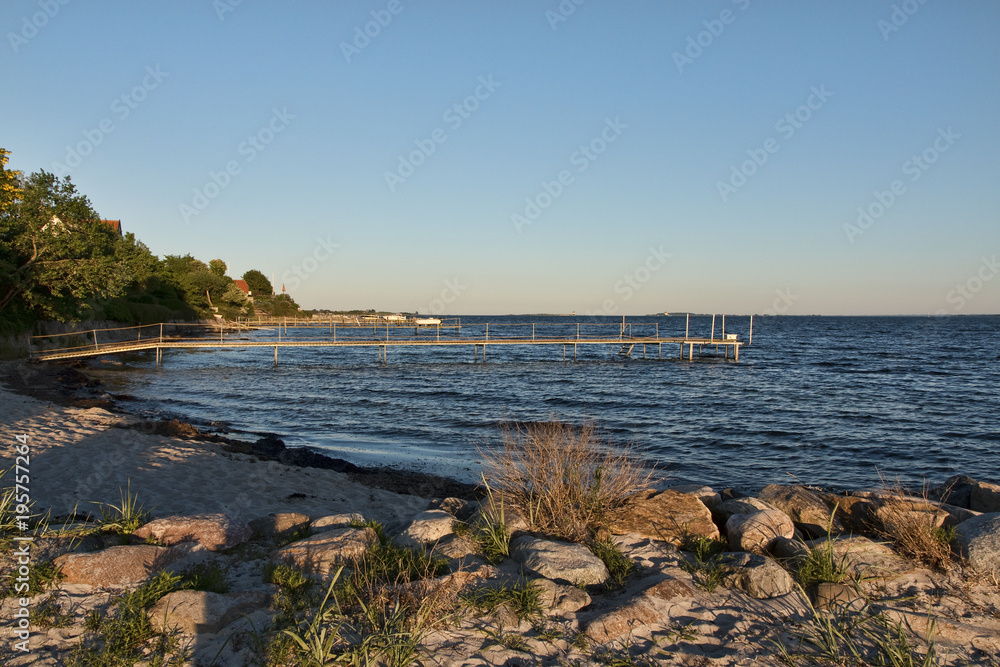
{"points": [[686, 575]]}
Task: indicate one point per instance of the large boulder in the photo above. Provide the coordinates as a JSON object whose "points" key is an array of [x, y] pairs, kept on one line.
{"points": [[745, 505], [758, 531], [563, 562], [758, 576], [810, 511], [705, 494], [195, 612], [560, 599], [956, 490], [321, 554], [979, 539], [427, 528], [985, 497], [630, 616], [331, 521], [279, 525], [863, 558], [212, 531], [668, 516], [116, 566]]}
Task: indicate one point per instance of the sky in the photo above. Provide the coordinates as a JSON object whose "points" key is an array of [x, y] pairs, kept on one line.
{"points": [[727, 156]]}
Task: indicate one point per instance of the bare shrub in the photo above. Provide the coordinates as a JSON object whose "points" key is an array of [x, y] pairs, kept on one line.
{"points": [[912, 523], [562, 479]]}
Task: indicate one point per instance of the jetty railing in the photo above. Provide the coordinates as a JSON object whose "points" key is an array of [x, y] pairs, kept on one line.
{"points": [[625, 335]]}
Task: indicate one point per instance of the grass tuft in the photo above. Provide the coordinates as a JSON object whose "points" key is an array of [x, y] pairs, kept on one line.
{"points": [[562, 479], [913, 531], [125, 517], [524, 599], [619, 565]]}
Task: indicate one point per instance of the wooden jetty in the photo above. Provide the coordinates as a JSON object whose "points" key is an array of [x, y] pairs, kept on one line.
{"points": [[624, 338]]}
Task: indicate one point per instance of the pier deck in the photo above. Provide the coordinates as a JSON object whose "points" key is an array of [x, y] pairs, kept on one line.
{"points": [[623, 339]]}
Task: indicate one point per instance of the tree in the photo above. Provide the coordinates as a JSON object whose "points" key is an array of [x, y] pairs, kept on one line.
{"points": [[56, 255], [258, 283], [218, 267], [283, 306]]}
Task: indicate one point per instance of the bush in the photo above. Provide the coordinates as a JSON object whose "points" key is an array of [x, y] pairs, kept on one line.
{"points": [[562, 479]]}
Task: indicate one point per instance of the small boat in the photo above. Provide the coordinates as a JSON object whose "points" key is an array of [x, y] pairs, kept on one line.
{"points": [[427, 321]]}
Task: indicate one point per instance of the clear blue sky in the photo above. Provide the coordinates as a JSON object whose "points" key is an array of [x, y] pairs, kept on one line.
{"points": [[332, 125]]}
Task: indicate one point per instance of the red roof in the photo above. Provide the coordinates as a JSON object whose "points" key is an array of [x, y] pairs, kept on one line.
{"points": [[242, 284], [114, 224]]}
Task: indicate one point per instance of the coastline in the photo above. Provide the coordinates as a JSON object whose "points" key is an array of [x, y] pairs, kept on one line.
{"points": [[85, 452]]}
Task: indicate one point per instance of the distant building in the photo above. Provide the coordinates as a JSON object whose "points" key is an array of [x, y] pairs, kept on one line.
{"points": [[242, 284], [115, 225]]}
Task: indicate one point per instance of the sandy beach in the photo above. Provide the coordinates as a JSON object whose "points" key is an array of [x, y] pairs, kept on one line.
{"points": [[83, 454]]}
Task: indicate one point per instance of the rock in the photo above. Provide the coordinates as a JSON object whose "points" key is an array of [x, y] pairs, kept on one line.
{"points": [[809, 511], [270, 446], [512, 519], [864, 558], [616, 622], [703, 493], [668, 516], [196, 612], [957, 515], [321, 554], [985, 497], [745, 505], [757, 531], [212, 531], [560, 599], [117, 565], [758, 576], [332, 521], [304, 457], [979, 540], [829, 595], [856, 513], [454, 546], [427, 528], [560, 561], [669, 589], [897, 512], [281, 524], [956, 490], [789, 549], [458, 508]]}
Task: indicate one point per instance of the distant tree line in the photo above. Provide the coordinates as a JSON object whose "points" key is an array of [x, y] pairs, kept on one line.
{"points": [[59, 261]]}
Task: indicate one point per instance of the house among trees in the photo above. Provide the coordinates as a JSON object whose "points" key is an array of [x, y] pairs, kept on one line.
{"points": [[242, 284], [115, 225]]}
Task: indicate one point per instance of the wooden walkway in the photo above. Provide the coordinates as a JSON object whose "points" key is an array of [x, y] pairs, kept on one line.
{"points": [[624, 340]]}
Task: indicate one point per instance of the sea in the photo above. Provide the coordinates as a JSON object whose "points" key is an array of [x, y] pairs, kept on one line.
{"points": [[836, 402]]}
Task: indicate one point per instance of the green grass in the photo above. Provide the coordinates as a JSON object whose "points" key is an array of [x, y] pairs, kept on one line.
{"points": [[619, 565], [42, 575], [48, 614], [705, 565], [523, 598], [211, 578], [125, 517]]}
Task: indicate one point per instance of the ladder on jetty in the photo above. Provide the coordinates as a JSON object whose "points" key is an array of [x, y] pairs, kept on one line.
{"points": [[624, 337]]}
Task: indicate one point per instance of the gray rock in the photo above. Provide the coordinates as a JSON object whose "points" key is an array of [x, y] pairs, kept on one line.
{"points": [[758, 576], [956, 490], [863, 557], [331, 521], [458, 508], [789, 549], [212, 531], [559, 599], [757, 531], [745, 505], [985, 497], [809, 511], [282, 524], [195, 612], [321, 554], [116, 565], [560, 561], [828, 595], [979, 540], [427, 528]]}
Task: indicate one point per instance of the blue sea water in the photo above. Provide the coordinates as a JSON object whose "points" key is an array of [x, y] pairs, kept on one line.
{"points": [[830, 401]]}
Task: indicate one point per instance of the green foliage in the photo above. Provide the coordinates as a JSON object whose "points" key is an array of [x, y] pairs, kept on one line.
{"points": [[524, 599], [218, 268], [48, 614], [489, 532], [204, 577], [125, 517], [258, 283], [705, 565], [281, 305], [619, 565]]}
